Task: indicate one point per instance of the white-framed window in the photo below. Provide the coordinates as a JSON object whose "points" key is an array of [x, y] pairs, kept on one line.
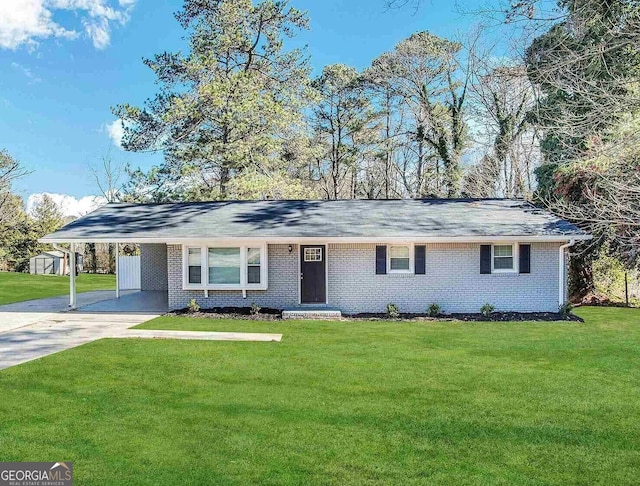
{"points": [[219, 266], [313, 254], [503, 258], [400, 258]]}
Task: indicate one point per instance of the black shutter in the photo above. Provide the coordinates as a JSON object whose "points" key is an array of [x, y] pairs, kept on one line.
{"points": [[485, 258], [419, 260], [381, 260], [525, 258]]}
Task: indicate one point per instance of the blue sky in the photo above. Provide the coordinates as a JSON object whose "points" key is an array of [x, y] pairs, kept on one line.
{"points": [[57, 86]]}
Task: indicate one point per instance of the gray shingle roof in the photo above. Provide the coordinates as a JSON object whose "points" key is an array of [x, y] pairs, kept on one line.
{"points": [[324, 219]]}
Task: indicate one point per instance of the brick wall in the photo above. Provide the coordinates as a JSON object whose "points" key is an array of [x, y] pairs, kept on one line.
{"points": [[153, 267], [282, 280], [453, 281]]}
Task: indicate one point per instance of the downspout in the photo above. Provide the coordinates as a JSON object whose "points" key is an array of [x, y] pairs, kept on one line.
{"points": [[562, 270]]}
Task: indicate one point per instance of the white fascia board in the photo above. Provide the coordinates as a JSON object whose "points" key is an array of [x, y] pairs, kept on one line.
{"points": [[325, 239]]}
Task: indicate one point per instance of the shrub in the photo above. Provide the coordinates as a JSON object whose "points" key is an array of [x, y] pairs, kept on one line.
{"points": [[434, 310], [487, 309], [392, 311], [255, 309], [565, 309], [193, 306]]}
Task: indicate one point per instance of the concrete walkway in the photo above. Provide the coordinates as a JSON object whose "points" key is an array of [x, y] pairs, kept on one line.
{"points": [[199, 335]]}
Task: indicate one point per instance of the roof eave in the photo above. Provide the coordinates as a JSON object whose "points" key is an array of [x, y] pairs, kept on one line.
{"points": [[323, 238]]}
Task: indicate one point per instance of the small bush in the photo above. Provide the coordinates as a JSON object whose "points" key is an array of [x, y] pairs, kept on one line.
{"points": [[565, 309], [255, 309], [392, 311], [193, 306], [487, 309], [434, 310]]}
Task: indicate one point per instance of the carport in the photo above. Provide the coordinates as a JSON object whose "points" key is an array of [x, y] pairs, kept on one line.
{"points": [[141, 281]]}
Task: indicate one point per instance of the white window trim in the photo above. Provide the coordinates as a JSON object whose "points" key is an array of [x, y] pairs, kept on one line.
{"points": [[515, 252], [411, 257], [204, 264]]}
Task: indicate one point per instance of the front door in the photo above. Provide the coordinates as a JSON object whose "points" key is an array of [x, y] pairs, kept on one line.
{"points": [[313, 277]]}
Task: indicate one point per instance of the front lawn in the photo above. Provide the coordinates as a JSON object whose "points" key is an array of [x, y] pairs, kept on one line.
{"points": [[17, 287], [339, 403]]}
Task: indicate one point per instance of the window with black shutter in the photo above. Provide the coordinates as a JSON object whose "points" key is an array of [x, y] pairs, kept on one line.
{"points": [[485, 258], [525, 258], [420, 253], [381, 260]]}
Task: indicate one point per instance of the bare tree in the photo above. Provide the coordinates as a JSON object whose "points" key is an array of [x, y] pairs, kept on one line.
{"points": [[108, 176], [425, 72], [501, 100], [10, 170]]}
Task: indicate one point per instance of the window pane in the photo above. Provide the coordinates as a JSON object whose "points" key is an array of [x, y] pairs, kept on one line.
{"points": [[224, 265], [195, 274], [503, 263], [194, 257], [253, 256], [313, 254], [399, 264], [253, 275], [399, 252], [502, 250], [195, 265]]}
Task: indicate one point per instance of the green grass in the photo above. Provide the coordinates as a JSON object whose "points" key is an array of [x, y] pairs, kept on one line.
{"points": [[339, 403], [18, 287]]}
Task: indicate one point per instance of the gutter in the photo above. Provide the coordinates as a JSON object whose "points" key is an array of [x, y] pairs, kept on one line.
{"points": [[562, 272], [169, 240]]}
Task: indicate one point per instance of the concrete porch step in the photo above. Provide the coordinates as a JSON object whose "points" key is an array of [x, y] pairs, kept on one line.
{"points": [[311, 313]]}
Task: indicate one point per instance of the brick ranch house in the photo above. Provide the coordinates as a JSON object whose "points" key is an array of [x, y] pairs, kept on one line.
{"points": [[350, 255]]}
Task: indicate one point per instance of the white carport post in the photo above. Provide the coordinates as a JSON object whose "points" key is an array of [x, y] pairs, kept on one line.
{"points": [[117, 270], [72, 276]]}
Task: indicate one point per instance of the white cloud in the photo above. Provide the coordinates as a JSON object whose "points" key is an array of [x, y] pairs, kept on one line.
{"points": [[115, 130], [33, 79], [69, 205], [24, 22], [98, 30]]}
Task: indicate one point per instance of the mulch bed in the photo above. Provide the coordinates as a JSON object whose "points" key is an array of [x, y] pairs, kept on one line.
{"points": [[495, 317], [269, 314], [266, 313]]}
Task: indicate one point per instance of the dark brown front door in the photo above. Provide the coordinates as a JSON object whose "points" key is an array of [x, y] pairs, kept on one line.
{"points": [[313, 282]]}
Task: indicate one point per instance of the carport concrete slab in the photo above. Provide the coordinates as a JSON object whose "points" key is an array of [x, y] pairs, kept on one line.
{"points": [[147, 301]]}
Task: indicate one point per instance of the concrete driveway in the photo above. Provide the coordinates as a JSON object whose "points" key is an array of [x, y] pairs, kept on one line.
{"points": [[34, 329], [13, 316], [61, 331], [37, 328]]}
